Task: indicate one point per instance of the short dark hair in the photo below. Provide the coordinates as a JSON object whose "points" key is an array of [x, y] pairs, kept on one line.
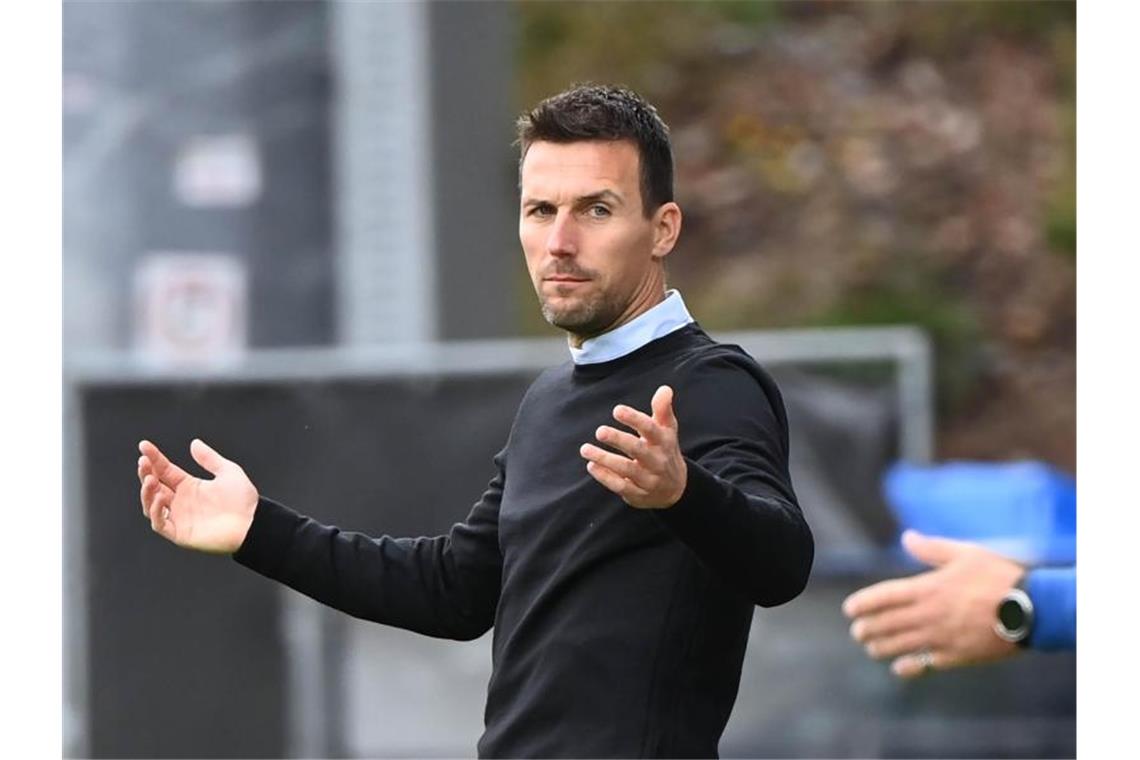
{"points": [[606, 112]]}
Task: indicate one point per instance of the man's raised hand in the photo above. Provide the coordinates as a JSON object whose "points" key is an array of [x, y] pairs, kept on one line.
{"points": [[653, 473], [207, 515]]}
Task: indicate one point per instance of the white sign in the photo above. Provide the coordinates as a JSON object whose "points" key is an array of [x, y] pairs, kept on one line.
{"points": [[190, 308], [218, 171]]}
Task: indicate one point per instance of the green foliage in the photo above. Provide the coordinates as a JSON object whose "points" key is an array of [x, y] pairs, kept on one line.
{"points": [[946, 28], [953, 326], [638, 44], [1061, 224], [748, 13], [1061, 211], [1022, 18]]}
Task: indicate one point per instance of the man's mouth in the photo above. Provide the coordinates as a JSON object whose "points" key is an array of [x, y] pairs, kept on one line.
{"points": [[565, 278]]}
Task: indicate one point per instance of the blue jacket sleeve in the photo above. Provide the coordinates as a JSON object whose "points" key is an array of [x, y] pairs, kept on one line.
{"points": [[1053, 591]]}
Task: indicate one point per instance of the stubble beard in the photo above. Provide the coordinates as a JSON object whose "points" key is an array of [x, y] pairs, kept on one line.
{"points": [[588, 316]]}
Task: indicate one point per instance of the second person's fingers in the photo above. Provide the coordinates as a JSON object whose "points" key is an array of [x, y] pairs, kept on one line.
{"points": [[887, 622], [900, 643], [916, 664], [882, 595]]}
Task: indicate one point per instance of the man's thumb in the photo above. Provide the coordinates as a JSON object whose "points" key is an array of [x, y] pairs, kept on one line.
{"points": [[211, 461], [932, 551]]}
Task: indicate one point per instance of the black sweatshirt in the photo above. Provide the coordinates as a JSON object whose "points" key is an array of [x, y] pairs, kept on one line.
{"points": [[619, 632]]}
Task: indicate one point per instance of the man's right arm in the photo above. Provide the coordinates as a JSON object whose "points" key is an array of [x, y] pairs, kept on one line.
{"points": [[446, 586]]}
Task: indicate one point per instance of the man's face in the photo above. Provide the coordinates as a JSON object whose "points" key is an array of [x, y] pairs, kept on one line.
{"points": [[593, 256]]}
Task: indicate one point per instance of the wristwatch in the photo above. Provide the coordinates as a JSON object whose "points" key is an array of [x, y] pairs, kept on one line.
{"points": [[1015, 616]]}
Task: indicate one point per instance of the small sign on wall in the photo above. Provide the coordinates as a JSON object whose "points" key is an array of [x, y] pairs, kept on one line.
{"points": [[190, 308], [218, 171]]}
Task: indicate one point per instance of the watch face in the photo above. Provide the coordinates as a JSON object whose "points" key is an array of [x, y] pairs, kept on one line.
{"points": [[1011, 615]]}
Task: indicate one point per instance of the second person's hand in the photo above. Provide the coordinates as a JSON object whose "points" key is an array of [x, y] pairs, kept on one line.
{"points": [[946, 613]]}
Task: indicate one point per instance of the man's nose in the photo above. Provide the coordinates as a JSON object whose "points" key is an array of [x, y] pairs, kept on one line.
{"points": [[562, 240]]}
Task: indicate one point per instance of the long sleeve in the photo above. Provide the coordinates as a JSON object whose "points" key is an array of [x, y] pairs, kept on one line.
{"points": [[446, 586], [1053, 591], [739, 513]]}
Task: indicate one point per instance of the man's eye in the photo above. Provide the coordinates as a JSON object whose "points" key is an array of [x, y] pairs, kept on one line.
{"points": [[599, 211], [540, 211]]}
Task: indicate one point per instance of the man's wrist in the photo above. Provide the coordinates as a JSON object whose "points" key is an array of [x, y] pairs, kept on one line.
{"points": [[684, 485]]}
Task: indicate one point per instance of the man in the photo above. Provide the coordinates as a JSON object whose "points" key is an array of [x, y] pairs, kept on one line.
{"points": [[619, 564], [975, 606]]}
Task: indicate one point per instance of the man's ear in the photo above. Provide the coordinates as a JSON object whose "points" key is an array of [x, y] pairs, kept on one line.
{"points": [[666, 229]]}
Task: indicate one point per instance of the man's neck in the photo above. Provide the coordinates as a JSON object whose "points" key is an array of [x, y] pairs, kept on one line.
{"points": [[644, 327], [642, 303]]}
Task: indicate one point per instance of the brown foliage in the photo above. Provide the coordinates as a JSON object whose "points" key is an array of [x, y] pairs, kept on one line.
{"points": [[844, 163]]}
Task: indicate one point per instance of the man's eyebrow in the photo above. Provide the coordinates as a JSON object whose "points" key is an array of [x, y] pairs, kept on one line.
{"points": [[601, 195], [582, 200]]}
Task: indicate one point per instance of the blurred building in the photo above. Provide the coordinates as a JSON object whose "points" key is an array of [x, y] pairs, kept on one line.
{"points": [[346, 164], [242, 176]]}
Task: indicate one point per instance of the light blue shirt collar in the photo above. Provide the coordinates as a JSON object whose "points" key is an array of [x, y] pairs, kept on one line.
{"points": [[666, 317]]}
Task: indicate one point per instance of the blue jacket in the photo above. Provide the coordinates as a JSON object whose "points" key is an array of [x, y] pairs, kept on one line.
{"points": [[1053, 591]]}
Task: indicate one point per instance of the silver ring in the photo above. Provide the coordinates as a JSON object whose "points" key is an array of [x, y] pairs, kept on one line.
{"points": [[926, 660]]}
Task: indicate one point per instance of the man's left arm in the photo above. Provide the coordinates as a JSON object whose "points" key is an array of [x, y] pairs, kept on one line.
{"points": [[717, 475]]}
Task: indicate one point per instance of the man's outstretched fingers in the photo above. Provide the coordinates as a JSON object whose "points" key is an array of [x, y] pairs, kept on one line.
{"points": [[155, 505], [626, 468], [634, 447], [627, 489], [166, 471], [639, 421], [146, 493]]}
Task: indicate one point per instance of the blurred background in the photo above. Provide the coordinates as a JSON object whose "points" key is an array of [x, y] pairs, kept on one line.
{"points": [[290, 229]]}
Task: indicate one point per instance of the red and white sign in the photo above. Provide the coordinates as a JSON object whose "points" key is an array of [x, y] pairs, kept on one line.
{"points": [[190, 308]]}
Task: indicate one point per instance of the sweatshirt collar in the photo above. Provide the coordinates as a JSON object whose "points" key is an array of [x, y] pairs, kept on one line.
{"points": [[666, 317]]}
